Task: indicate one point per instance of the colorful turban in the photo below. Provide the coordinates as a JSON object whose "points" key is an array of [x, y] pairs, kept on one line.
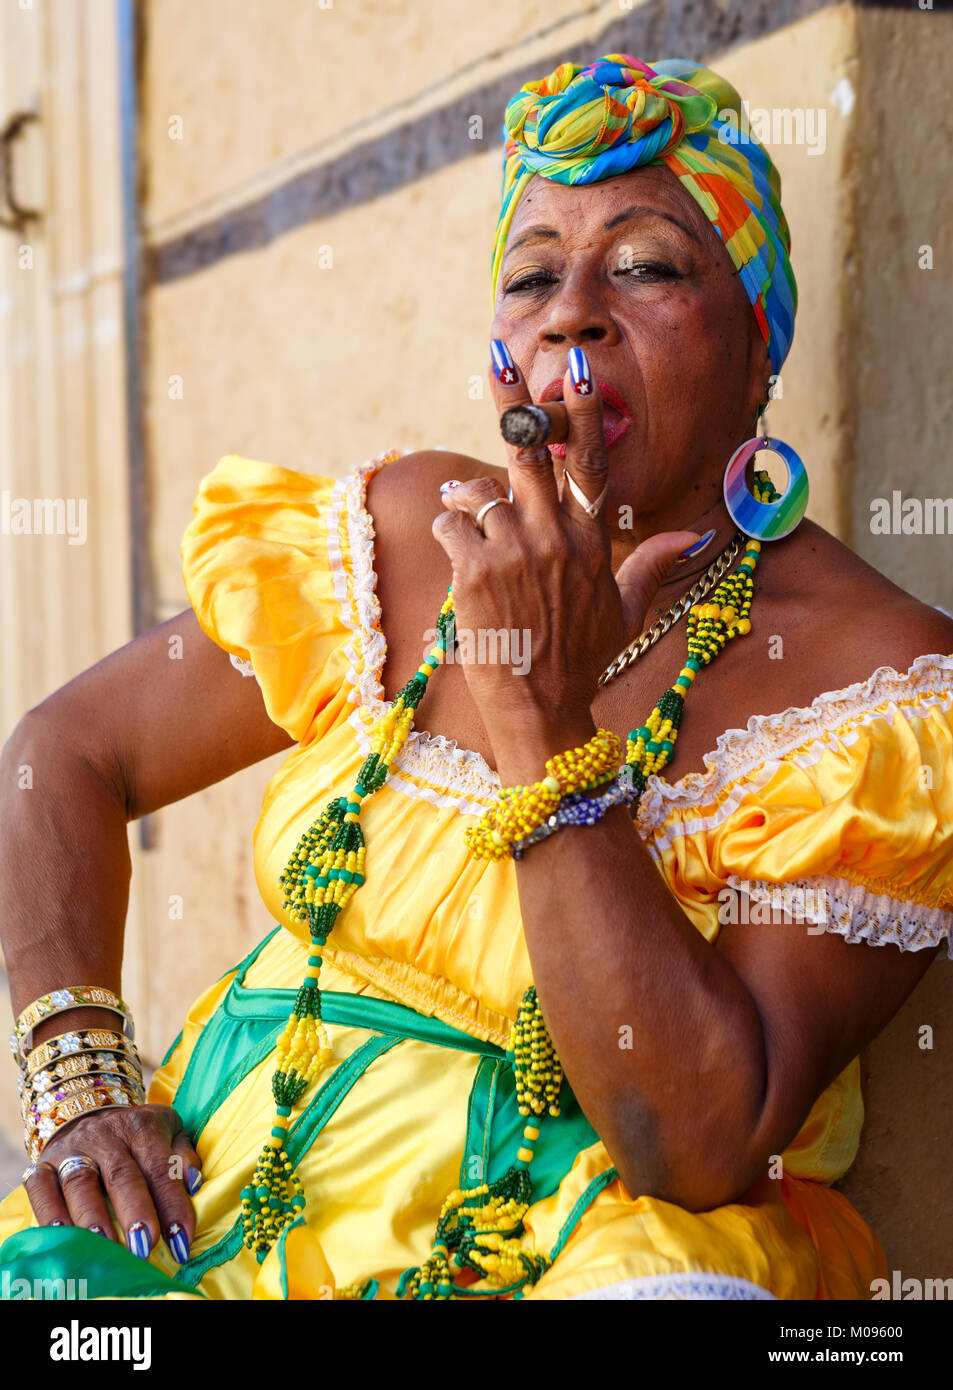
{"points": [[583, 124]]}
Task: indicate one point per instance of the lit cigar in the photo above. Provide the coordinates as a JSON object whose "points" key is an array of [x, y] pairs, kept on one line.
{"points": [[528, 426]]}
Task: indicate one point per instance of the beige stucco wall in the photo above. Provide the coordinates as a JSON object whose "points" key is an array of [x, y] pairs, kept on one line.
{"points": [[270, 355]]}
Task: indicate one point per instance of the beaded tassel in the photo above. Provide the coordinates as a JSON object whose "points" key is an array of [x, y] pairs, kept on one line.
{"points": [[482, 1227]]}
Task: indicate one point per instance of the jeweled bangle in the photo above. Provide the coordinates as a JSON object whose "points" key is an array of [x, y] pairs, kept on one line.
{"points": [[34, 1108], [580, 809], [68, 1044], [83, 1063], [38, 1136], [58, 1001], [37, 1101]]}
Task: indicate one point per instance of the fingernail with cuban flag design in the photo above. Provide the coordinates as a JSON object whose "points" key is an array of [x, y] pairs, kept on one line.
{"points": [[139, 1240], [178, 1242], [580, 372], [506, 369], [449, 485]]}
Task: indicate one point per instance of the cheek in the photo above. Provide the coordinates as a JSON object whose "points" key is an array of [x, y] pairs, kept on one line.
{"points": [[695, 346]]}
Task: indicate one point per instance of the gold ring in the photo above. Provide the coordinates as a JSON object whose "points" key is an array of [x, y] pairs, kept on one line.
{"points": [[486, 507]]}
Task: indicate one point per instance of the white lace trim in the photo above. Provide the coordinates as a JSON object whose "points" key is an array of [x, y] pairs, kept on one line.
{"points": [[468, 782], [813, 729], [463, 773], [693, 1286], [854, 912], [244, 667]]}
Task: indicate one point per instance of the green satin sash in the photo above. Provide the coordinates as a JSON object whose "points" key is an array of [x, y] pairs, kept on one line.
{"points": [[239, 1037]]}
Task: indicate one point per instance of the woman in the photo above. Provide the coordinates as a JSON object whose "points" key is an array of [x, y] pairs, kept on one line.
{"points": [[711, 1086]]}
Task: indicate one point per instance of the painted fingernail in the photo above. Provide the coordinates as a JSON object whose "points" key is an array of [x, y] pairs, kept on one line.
{"points": [[580, 372], [139, 1240], [506, 369], [449, 485], [98, 1230], [56, 1223], [697, 547], [178, 1242], [194, 1179]]}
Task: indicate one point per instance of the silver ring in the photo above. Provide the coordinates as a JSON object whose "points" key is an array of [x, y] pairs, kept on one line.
{"points": [[28, 1173], [486, 507], [74, 1163]]}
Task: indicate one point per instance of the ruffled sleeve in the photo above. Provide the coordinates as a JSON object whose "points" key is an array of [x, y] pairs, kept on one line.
{"points": [[267, 573], [840, 814]]}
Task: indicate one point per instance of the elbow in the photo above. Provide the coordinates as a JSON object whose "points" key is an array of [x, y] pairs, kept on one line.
{"points": [[699, 1171], [46, 733]]}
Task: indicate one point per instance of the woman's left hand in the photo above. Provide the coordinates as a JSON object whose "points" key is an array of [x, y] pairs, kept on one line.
{"points": [[540, 574]]}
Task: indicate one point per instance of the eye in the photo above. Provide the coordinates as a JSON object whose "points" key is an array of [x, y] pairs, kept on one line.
{"points": [[529, 282], [653, 270]]}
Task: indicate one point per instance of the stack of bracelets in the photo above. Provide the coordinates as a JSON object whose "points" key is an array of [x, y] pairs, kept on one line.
{"points": [[73, 1073]]}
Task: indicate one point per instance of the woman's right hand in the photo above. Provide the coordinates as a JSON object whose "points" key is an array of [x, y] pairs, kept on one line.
{"points": [[146, 1166]]}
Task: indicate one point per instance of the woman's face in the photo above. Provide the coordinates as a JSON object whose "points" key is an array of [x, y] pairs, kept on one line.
{"points": [[632, 271]]}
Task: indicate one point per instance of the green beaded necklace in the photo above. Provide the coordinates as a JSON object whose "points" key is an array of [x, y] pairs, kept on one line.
{"points": [[480, 1229]]}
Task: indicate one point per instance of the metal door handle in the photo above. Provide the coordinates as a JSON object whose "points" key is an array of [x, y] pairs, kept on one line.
{"points": [[20, 214]]}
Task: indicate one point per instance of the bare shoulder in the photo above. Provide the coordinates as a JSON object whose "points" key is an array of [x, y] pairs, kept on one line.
{"points": [[845, 618], [408, 488]]}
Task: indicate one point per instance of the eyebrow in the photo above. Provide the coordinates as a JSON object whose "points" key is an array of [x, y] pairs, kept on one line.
{"points": [[631, 214]]}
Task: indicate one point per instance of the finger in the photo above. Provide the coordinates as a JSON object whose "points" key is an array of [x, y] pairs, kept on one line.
{"points": [[455, 528], [644, 571], [532, 477], [471, 497], [173, 1205], [46, 1197], [587, 459], [83, 1193], [128, 1191], [189, 1166]]}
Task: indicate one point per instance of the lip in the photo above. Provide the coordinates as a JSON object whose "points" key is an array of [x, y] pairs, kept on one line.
{"points": [[553, 391]]}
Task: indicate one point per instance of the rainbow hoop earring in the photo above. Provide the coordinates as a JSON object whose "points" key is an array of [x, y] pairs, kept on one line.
{"points": [[765, 521]]}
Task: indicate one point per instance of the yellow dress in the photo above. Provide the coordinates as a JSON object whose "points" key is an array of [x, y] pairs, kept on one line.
{"points": [[426, 965]]}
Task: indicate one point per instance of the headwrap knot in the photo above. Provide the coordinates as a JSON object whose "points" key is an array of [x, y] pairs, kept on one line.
{"points": [[580, 124]]}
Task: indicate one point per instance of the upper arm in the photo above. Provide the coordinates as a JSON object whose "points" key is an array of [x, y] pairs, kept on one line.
{"points": [[164, 716], [821, 1001]]}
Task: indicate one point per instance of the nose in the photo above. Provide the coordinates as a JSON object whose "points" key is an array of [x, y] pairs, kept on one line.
{"points": [[576, 314]]}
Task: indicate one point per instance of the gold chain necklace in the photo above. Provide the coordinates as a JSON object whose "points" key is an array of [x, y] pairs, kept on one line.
{"points": [[699, 589]]}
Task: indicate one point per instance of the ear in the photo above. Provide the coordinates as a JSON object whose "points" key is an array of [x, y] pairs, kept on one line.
{"points": [[759, 373]]}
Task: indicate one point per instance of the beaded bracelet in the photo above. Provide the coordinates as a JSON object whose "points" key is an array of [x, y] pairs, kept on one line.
{"points": [[40, 1134], [581, 810], [69, 1044], [59, 1001], [523, 808]]}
